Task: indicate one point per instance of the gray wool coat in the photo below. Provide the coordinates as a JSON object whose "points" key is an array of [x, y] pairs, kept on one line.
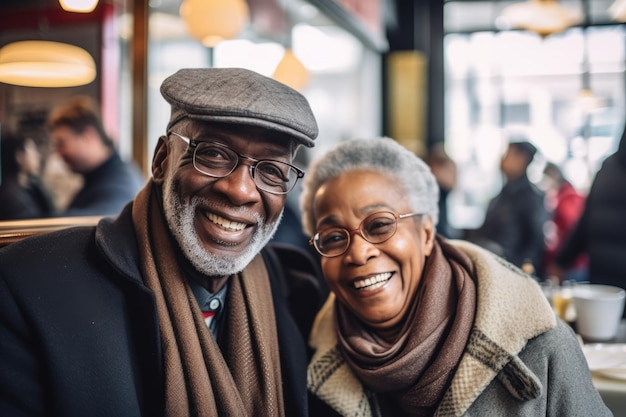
{"points": [[519, 361]]}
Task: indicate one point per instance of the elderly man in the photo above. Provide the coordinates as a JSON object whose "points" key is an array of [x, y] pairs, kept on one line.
{"points": [[174, 308]]}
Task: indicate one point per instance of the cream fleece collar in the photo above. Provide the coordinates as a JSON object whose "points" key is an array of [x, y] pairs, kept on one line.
{"points": [[511, 310]]}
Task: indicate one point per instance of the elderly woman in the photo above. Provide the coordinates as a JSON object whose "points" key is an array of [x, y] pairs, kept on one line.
{"points": [[417, 325]]}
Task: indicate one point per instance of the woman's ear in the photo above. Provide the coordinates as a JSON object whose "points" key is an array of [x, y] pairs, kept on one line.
{"points": [[159, 160], [428, 231]]}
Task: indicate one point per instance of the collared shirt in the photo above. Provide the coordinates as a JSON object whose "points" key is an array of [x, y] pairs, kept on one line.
{"points": [[211, 305]]}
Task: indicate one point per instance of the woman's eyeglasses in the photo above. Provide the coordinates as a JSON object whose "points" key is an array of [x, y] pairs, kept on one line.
{"points": [[218, 160], [375, 228]]}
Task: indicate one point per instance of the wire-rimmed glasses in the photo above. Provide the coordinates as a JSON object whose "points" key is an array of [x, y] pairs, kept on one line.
{"points": [[218, 160], [375, 228]]}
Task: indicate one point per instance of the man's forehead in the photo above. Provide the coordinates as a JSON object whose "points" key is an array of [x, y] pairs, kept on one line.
{"points": [[242, 137]]}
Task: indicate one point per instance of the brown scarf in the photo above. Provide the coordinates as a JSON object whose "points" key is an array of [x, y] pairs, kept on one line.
{"points": [[199, 380], [415, 371]]}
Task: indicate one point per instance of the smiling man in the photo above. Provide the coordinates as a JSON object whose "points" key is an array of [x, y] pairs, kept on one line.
{"points": [[176, 307]]}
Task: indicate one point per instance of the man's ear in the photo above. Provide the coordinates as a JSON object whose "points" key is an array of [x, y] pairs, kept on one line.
{"points": [[20, 157], [91, 134], [429, 234], [159, 160]]}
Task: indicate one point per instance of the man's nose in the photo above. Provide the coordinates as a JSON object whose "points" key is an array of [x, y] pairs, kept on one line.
{"points": [[239, 186]]}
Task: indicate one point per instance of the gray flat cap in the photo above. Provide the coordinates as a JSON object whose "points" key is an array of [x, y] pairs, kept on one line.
{"points": [[240, 96]]}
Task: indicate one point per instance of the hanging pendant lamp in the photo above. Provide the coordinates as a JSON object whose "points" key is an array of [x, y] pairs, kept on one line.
{"points": [[45, 64], [291, 71], [78, 6], [212, 21], [544, 17], [618, 10]]}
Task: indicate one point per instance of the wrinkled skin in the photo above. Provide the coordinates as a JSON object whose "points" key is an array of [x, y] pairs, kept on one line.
{"points": [[397, 263], [220, 223]]}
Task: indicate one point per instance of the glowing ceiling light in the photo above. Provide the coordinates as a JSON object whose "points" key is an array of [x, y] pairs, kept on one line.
{"points": [[45, 64], [291, 71], [78, 6], [211, 21], [618, 10], [544, 17]]}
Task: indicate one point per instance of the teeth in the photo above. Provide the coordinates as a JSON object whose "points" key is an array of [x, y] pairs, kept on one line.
{"points": [[225, 223], [373, 282]]}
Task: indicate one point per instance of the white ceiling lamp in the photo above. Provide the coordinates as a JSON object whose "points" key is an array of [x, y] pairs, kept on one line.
{"points": [[544, 17], [45, 64], [291, 71], [78, 6], [212, 21], [618, 10], [587, 101]]}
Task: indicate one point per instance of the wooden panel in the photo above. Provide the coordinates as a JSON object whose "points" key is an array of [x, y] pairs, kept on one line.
{"points": [[140, 84], [16, 230], [407, 98]]}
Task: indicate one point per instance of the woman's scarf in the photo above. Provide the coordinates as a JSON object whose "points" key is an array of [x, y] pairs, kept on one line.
{"points": [[415, 370], [200, 379]]}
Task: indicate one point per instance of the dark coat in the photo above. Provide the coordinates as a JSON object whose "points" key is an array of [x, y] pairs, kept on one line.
{"points": [[79, 334], [601, 230], [17, 202], [513, 226], [107, 189]]}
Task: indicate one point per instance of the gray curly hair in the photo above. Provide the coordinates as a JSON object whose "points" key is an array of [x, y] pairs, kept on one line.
{"points": [[383, 155]]}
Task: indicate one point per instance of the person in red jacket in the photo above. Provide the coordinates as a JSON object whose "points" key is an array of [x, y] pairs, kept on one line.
{"points": [[566, 205]]}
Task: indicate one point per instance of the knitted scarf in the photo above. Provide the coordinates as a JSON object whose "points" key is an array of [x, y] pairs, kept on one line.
{"points": [[412, 374], [200, 379]]}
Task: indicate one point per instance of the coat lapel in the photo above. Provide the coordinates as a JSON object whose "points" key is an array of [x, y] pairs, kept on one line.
{"points": [[505, 294]]}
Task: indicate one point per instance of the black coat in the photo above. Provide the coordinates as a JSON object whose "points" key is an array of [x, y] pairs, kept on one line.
{"points": [[513, 226], [107, 189], [30, 202], [601, 230], [79, 334]]}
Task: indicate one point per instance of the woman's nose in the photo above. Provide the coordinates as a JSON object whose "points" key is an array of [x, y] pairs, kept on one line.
{"points": [[360, 250]]}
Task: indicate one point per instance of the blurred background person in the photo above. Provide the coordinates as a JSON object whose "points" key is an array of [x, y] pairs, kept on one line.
{"points": [[601, 231], [515, 218], [22, 194], [444, 170], [79, 137], [565, 205]]}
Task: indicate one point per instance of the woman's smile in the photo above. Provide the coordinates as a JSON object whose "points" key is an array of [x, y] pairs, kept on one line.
{"points": [[372, 282]]}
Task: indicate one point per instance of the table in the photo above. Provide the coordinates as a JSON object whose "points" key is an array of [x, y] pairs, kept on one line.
{"points": [[613, 391]]}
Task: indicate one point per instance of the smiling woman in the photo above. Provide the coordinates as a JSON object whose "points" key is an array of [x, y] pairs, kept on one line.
{"points": [[414, 323]]}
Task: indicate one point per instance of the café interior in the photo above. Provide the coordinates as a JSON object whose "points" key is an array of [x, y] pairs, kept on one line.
{"points": [[475, 75], [465, 73]]}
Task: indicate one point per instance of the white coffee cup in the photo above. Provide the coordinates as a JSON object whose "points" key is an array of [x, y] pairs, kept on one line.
{"points": [[599, 310]]}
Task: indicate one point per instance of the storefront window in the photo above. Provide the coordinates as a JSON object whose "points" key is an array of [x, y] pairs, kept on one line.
{"points": [[343, 87], [515, 83]]}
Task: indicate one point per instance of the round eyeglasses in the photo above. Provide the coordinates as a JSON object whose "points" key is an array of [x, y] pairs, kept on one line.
{"points": [[218, 160], [375, 228]]}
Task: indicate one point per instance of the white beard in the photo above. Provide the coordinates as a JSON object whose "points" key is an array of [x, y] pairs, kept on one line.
{"points": [[180, 218]]}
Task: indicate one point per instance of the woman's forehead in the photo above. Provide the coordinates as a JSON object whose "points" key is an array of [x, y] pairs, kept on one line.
{"points": [[359, 191]]}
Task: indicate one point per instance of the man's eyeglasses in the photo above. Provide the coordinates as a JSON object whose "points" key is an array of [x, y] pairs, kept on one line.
{"points": [[375, 228], [218, 160]]}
